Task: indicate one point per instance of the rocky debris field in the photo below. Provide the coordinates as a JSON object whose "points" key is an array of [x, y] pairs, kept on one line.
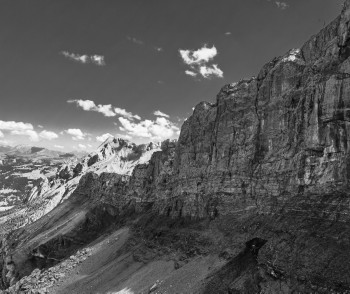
{"points": [[40, 281], [252, 198]]}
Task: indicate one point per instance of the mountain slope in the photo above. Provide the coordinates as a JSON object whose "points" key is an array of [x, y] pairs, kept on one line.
{"points": [[113, 156], [23, 167], [253, 198]]}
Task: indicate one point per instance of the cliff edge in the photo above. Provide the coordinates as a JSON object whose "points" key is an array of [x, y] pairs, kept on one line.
{"points": [[256, 188]]}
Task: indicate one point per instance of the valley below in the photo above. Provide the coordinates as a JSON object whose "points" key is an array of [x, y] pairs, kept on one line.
{"points": [[252, 198]]}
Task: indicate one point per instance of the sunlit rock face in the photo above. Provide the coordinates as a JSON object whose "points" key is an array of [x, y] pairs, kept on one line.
{"points": [[268, 161], [115, 157], [265, 139]]}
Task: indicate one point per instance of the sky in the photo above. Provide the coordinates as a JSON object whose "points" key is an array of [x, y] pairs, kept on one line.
{"points": [[74, 72]]}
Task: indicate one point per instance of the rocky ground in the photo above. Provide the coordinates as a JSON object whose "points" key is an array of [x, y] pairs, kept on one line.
{"points": [[24, 167], [41, 281], [253, 198]]}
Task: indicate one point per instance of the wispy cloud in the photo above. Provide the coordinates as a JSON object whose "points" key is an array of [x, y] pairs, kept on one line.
{"points": [[142, 43], [190, 73], [198, 61], [84, 58], [59, 146], [2, 134], [282, 5], [158, 49], [123, 112], [107, 110], [228, 33], [159, 113], [135, 40]]}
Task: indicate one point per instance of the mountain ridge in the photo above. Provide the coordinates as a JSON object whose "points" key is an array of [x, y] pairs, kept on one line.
{"points": [[257, 183]]}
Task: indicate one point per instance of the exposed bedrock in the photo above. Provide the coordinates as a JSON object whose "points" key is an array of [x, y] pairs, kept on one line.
{"points": [[267, 165], [265, 139], [54, 237]]}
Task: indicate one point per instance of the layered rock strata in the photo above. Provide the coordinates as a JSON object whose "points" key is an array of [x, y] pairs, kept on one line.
{"points": [[268, 160]]}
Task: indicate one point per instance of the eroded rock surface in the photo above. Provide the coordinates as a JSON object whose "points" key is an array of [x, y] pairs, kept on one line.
{"points": [[267, 165]]}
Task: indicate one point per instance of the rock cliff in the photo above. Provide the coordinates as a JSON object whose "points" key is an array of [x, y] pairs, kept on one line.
{"points": [[115, 156], [265, 169]]}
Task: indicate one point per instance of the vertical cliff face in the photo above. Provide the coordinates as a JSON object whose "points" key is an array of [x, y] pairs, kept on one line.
{"points": [[267, 162], [265, 139]]}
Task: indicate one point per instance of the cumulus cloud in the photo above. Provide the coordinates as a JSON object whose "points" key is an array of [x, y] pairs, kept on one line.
{"points": [[94, 59], [282, 5], [20, 129], [107, 110], [48, 135], [98, 60], [33, 135], [198, 61], [159, 113], [15, 126], [104, 137], [87, 105], [76, 134], [25, 129], [159, 129], [207, 71], [124, 113], [202, 55]]}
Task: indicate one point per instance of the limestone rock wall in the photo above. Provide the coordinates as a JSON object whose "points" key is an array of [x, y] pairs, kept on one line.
{"points": [[283, 133], [269, 158]]}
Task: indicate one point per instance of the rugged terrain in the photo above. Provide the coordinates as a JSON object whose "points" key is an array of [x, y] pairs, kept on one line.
{"points": [[253, 198], [24, 167]]}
